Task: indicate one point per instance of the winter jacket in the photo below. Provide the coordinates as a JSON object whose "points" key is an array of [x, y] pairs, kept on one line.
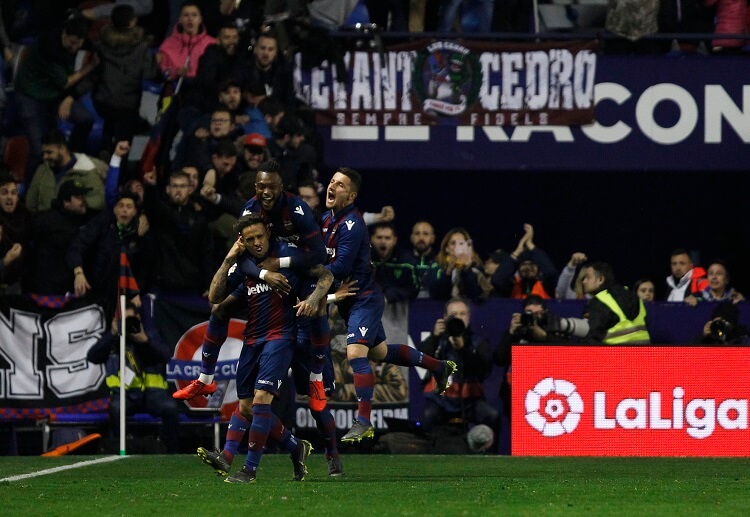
{"points": [[178, 47], [125, 61], [44, 184]]}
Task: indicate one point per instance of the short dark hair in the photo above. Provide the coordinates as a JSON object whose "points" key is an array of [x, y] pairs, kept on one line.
{"points": [[6, 177], [605, 270], [270, 167], [225, 147], [640, 282], [55, 137], [354, 177], [126, 194], [270, 106], [534, 299], [229, 83], [77, 26], [248, 220], [382, 226], [179, 173], [680, 251], [122, 15]]}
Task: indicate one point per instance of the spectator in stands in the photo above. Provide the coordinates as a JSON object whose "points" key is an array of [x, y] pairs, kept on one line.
{"points": [[632, 22], [614, 315], [724, 327], [686, 278], [15, 222], [48, 87], [180, 53], [269, 67], [147, 355], [528, 271], [644, 288], [422, 255], [52, 231], [272, 111], [107, 9], [94, 253], [197, 148], [459, 272], [184, 249], [308, 192], [215, 66], [230, 97], [731, 18], [254, 152], [125, 62], [453, 339], [569, 283], [479, 21], [393, 272], [288, 147], [253, 94], [718, 288], [61, 165]]}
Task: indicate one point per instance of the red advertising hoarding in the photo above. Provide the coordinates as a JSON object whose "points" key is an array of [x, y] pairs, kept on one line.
{"points": [[630, 401]]}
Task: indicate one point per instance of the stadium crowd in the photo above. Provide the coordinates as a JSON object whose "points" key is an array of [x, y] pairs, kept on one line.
{"points": [[73, 203]]}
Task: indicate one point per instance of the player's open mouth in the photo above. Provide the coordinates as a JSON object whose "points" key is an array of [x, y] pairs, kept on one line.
{"points": [[330, 195]]}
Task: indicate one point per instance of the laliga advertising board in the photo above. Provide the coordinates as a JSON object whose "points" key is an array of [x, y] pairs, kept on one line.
{"points": [[630, 401]]}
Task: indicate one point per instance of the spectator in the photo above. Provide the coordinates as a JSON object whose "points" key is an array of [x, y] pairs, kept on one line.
{"points": [[180, 53], [453, 339], [718, 288], [254, 152], [197, 148], [184, 261], [125, 62], [15, 222], [731, 18], [529, 270], [644, 288], [62, 165], [480, 20], [393, 272], [253, 94], [308, 192], [94, 253], [146, 387], [269, 68], [614, 315], [48, 87], [724, 327], [459, 272], [422, 255], [52, 231], [288, 148], [686, 278], [569, 284], [107, 9]]}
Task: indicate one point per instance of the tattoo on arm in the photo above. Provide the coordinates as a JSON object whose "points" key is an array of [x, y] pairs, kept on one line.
{"points": [[216, 292], [324, 283]]}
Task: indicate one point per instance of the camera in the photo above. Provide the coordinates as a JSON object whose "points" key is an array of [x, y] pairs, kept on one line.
{"points": [[132, 325], [454, 327], [720, 330], [528, 319]]}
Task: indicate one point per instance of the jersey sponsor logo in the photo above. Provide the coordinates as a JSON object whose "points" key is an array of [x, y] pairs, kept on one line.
{"points": [[298, 210], [349, 224], [363, 331], [258, 289]]}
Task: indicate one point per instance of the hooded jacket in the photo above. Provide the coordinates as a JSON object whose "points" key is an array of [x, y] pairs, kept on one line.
{"points": [[125, 60], [178, 46], [44, 184]]}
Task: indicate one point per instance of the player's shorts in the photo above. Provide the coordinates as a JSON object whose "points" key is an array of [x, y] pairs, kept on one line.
{"points": [[301, 361], [272, 359], [364, 325]]}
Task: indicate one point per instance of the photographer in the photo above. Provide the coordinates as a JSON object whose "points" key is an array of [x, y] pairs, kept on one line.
{"points": [[724, 327], [453, 339], [147, 355]]}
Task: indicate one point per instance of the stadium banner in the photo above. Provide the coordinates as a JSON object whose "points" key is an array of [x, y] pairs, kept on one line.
{"points": [[630, 401], [474, 83], [43, 366], [690, 113]]}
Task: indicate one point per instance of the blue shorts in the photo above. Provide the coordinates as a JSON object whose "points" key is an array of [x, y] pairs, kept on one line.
{"points": [[364, 325], [301, 361], [272, 359]]}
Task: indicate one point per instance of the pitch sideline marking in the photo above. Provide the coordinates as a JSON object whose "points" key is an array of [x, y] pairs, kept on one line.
{"points": [[60, 469]]}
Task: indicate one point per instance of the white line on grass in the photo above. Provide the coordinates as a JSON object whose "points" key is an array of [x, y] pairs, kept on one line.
{"points": [[60, 469]]}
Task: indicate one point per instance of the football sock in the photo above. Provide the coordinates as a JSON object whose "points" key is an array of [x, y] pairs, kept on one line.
{"points": [[238, 425], [320, 337], [404, 355], [327, 430], [364, 385], [256, 440], [282, 434], [216, 334]]}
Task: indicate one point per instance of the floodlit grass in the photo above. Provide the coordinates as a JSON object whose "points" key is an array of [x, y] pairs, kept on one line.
{"points": [[383, 485]]}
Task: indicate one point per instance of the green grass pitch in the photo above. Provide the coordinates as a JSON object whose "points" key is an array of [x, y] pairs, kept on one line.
{"points": [[382, 485]]}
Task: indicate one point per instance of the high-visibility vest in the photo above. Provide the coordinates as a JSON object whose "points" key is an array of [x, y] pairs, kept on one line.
{"points": [[626, 331], [139, 382]]}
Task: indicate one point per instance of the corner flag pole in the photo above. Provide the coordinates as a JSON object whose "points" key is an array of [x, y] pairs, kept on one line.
{"points": [[122, 375]]}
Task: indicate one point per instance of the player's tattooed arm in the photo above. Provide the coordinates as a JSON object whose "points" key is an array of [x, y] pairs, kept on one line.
{"points": [[217, 290], [312, 304]]}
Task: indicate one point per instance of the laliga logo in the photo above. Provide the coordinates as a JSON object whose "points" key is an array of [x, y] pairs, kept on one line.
{"points": [[553, 407]]}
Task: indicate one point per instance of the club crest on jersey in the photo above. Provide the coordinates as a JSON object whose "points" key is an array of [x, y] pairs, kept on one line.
{"points": [[363, 331], [288, 225], [349, 224], [298, 210]]}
